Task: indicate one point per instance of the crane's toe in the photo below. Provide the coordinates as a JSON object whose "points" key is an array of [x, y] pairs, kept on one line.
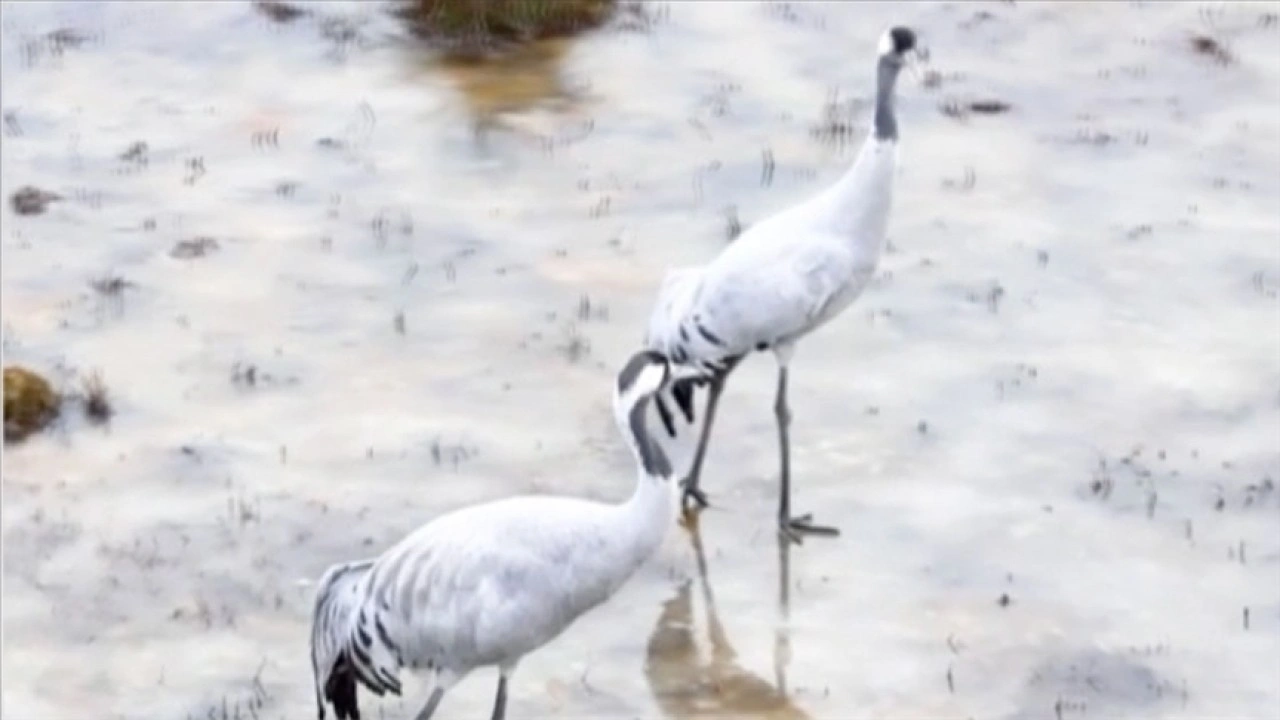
{"points": [[795, 528], [693, 496]]}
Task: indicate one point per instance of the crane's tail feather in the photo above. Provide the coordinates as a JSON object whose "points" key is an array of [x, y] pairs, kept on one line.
{"points": [[340, 689], [338, 599]]}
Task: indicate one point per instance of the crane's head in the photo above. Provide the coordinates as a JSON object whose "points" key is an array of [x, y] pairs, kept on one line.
{"points": [[639, 407], [644, 373], [897, 44]]}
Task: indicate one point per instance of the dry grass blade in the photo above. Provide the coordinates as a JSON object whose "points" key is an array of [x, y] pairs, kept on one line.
{"points": [[97, 399]]}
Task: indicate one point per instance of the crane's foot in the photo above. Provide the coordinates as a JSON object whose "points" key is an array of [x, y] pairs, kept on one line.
{"points": [[795, 528], [695, 497]]}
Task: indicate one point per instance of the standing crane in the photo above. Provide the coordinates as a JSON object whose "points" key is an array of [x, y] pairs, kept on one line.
{"points": [[781, 279], [488, 584]]}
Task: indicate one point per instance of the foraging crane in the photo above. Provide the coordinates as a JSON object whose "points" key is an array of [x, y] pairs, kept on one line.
{"points": [[781, 279], [486, 585]]}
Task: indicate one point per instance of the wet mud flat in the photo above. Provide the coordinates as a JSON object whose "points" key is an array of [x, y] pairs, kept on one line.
{"points": [[337, 287]]}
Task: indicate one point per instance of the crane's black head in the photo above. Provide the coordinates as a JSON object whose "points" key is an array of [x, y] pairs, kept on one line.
{"points": [[896, 42], [644, 374]]}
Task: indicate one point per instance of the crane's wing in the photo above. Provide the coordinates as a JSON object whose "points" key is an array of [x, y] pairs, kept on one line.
{"points": [[762, 296], [470, 586], [675, 301]]}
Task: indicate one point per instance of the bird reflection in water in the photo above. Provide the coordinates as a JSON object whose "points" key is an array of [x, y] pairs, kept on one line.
{"points": [[688, 685]]}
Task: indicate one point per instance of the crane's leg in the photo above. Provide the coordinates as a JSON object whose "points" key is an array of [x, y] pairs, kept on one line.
{"points": [[791, 527], [500, 702], [782, 633], [429, 709], [690, 483]]}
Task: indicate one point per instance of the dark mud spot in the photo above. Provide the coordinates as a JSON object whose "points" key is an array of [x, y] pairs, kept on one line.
{"points": [[12, 127], [989, 107], [962, 109], [137, 153], [110, 285], [30, 200], [194, 248], [280, 12], [1212, 48]]}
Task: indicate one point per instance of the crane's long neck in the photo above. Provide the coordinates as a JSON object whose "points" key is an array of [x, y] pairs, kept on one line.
{"points": [[649, 513], [646, 516], [857, 206], [619, 540], [885, 120]]}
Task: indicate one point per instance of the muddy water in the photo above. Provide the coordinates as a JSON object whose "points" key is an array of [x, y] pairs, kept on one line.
{"points": [[1047, 431]]}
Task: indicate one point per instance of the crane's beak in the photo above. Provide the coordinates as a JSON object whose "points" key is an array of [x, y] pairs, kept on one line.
{"points": [[915, 60]]}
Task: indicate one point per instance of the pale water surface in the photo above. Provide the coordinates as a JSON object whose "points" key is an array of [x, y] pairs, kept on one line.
{"points": [[1062, 390]]}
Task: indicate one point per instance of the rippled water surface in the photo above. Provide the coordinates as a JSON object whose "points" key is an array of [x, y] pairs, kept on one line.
{"points": [[348, 288]]}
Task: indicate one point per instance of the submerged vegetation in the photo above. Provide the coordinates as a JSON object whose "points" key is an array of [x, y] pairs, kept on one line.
{"points": [[474, 28]]}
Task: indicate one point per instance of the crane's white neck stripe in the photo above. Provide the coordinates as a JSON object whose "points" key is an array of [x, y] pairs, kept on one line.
{"points": [[886, 43], [644, 372]]}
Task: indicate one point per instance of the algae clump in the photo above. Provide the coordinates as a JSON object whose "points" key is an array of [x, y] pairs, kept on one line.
{"points": [[30, 403], [472, 27]]}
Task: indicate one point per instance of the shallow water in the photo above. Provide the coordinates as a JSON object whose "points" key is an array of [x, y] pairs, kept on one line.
{"points": [[1059, 391]]}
